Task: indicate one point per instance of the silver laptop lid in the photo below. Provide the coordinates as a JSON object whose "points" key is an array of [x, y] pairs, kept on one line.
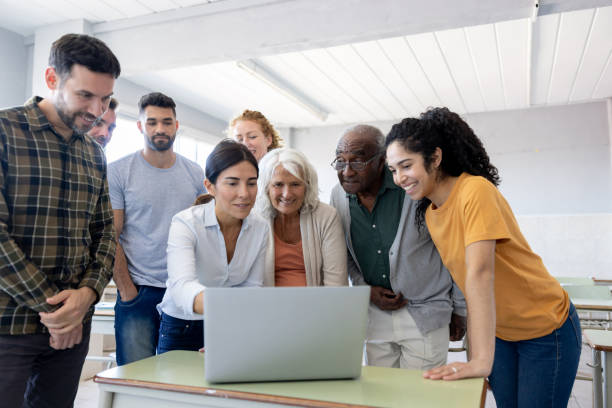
{"points": [[276, 334]]}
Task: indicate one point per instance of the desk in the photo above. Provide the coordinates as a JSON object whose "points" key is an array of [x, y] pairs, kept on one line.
{"points": [[103, 322], [604, 305], [601, 342], [567, 281], [176, 379], [604, 282]]}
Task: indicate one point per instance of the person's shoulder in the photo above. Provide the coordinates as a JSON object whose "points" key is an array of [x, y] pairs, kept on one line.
{"points": [[475, 191], [474, 184], [337, 189], [13, 114], [337, 194], [189, 164], [324, 210], [13, 117], [121, 168], [125, 160], [189, 214], [255, 220]]}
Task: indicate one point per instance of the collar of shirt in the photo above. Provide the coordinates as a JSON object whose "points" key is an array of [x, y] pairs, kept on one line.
{"points": [[210, 217], [37, 121]]}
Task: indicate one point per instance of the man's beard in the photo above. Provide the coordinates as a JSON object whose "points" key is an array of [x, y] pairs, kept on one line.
{"points": [[69, 118], [160, 146]]}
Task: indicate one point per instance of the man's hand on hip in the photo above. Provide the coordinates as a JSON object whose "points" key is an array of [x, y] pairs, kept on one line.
{"points": [[457, 327]]}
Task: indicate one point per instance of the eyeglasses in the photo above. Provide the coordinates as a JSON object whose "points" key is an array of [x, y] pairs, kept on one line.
{"points": [[339, 164]]}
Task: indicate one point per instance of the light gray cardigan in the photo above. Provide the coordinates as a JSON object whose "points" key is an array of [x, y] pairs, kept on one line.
{"points": [[416, 269], [323, 247]]}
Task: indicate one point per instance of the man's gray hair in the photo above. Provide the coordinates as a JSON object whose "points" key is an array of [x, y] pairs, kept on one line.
{"points": [[295, 163], [370, 131]]}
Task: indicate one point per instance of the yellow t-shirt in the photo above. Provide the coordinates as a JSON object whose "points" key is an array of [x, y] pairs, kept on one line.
{"points": [[529, 302]]}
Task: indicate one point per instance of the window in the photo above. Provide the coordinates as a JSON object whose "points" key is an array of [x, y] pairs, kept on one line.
{"points": [[128, 139]]}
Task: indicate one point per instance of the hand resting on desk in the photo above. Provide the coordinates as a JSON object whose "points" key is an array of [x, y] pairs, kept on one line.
{"points": [[458, 370]]}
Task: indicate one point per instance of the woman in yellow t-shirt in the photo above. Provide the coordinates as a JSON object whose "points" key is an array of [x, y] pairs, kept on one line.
{"points": [[524, 332]]}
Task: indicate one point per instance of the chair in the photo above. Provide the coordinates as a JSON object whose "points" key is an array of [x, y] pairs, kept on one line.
{"points": [[109, 360]]}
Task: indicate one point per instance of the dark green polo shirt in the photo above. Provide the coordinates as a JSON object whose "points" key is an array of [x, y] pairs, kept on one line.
{"points": [[373, 233]]}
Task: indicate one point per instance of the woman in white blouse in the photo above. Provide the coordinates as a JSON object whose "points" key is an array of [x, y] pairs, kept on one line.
{"points": [[218, 243], [306, 245]]}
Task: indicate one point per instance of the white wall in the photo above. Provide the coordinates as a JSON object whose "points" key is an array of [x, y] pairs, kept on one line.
{"points": [[13, 69], [553, 160], [571, 245], [556, 170]]}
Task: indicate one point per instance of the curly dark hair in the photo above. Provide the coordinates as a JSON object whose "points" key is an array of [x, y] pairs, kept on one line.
{"points": [[462, 150]]}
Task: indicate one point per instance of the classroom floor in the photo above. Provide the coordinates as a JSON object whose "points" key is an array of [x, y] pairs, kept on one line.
{"points": [[87, 396]]}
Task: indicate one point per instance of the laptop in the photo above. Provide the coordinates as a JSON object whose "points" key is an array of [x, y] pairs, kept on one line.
{"points": [[283, 334]]}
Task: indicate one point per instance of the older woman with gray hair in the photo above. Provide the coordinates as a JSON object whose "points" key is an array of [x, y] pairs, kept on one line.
{"points": [[306, 244]]}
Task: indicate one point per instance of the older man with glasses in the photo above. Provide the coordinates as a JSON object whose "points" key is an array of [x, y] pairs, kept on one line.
{"points": [[414, 305]]}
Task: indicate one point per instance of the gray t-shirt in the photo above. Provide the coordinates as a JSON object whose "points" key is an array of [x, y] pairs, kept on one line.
{"points": [[150, 197]]}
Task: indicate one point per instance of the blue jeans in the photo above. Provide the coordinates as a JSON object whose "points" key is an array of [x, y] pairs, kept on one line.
{"points": [[137, 325], [539, 372], [179, 334]]}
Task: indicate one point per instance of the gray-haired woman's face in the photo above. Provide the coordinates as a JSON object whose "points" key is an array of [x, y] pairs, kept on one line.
{"points": [[286, 191]]}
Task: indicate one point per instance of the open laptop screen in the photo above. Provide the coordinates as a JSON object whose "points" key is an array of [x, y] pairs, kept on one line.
{"points": [[276, 334]]}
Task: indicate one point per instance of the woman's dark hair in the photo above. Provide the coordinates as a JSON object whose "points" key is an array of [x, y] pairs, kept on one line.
{"points": [[226, 154], [462, 150]]}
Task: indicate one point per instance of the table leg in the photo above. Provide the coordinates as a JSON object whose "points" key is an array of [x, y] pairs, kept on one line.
{"points": [[597, 380], [105, 399], [607, 365]]}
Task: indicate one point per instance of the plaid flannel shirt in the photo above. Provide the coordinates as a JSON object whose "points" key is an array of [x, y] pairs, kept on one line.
{"points": [[56, 223]]}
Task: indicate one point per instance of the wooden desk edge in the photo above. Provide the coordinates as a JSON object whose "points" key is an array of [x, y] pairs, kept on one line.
{"points": [[104, 312], [592, 307], [594, 345], [220, 393], [483, 395], [602, 281]]}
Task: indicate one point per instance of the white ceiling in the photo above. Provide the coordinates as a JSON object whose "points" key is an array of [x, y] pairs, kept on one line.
{"points": [[25, 16], [555, 58], [561, 58]]}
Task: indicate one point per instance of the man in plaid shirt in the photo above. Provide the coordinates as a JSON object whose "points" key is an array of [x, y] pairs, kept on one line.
{"points": [[56, 228]]}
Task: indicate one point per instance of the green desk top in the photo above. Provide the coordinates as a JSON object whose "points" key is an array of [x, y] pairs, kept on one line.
{"points": [[574, 280], [379, 387], [599, 339], [592, 304]]}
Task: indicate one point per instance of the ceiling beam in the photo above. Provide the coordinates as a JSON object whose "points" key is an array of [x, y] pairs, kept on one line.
{"points": [[218, 32], [560, 6]]}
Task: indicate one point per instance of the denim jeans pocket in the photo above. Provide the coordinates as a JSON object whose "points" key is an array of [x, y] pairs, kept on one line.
{"points": [[543, 348], [131, 302]]}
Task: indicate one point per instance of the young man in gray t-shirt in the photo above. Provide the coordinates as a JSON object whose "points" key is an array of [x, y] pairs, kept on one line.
{"points": [[147, 189]]}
